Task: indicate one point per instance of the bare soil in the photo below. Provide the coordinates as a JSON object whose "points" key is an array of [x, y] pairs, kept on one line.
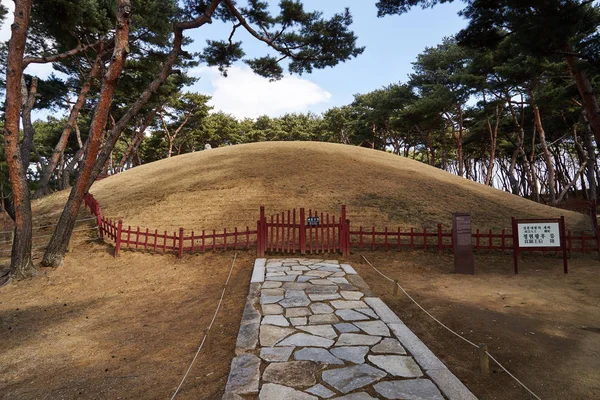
{"points": [[542, 325], [126, 328]]}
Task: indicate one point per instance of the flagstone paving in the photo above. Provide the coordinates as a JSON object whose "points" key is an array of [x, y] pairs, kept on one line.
{"points": [[312, 329]]}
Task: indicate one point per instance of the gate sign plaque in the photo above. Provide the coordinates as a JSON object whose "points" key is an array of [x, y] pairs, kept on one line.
{"points": [[463, 247], [544, 234], [539, 235], [313, 221]]}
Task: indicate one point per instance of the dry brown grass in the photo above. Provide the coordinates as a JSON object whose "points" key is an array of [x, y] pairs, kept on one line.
{"points": [[224, 187]]}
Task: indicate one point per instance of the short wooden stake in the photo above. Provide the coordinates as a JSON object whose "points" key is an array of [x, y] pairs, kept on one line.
{"points": [[70, 247], [484, 360], [395, 287]]}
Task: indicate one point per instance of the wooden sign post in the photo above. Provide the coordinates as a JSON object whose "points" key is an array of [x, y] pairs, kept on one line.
{"points": [[539, 235], [463, 247]]}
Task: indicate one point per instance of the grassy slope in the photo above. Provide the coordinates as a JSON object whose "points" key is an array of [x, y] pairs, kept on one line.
{"points": [[224, 188]]}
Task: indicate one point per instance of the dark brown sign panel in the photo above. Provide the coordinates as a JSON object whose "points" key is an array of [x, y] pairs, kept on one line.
{"points": [[463, 248]]}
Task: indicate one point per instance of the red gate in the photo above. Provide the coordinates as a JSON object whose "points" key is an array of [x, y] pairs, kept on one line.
{"points": [[290, 232]]}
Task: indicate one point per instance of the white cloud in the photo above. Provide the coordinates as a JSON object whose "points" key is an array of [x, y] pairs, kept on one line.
{"points": [[8, 19], [244, 94]]}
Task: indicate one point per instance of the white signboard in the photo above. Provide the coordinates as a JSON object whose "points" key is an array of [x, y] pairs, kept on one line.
{"points": [[539, 234]]}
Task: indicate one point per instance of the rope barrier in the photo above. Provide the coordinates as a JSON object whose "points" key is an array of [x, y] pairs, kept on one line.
{"points": [[448, 329], [207, 331], [48, 226]]}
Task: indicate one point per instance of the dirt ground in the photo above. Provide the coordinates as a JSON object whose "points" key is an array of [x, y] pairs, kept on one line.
{"points": [[127, 328], [542, 325]]}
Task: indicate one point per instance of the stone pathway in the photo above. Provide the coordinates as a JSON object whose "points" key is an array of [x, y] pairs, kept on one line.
{"points": [[312, 329]]}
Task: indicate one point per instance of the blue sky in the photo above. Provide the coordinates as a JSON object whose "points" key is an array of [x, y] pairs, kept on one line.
{"points": [[392, 44]]}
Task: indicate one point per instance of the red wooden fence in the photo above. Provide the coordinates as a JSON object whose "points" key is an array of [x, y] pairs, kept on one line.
{"points": [[177, 242], [289, 233]]}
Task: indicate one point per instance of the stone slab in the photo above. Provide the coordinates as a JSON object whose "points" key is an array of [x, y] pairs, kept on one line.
{"points": [[375, 328], [346, 327], [272, 391], [351, 315], [325, 331], [421, 353], [270, 309], [349, 295], [382, 310], [318, 355], [258, 273], [409, 389], [321, 391], [244, 375], [323, 319], [247, 338], [278, 320], [276, 354], [356, 396], [348, 304], [354, 354], [321, 308], [388, 346], [270, 334], [298, 321], [296, 374], [356, 339], [348, 269], [306, 340], [271, 285], [351, 378], [450, 385], [403, 366]]}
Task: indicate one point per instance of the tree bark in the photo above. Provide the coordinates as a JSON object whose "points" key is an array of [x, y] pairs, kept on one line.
{"points": [[591, 159], [60, 239], [138, 137], [493, 140], [28, 97], [547, 156], [135, 108], [20, 263], [586, 91], [64, 137]]}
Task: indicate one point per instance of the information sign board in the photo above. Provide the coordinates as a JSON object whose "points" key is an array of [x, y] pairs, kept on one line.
{"points": [[313, 221], [543, 234], [538, 235]]}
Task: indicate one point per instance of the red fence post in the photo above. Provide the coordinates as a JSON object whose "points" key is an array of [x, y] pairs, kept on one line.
{"points": [[302, 232], [439, 238], [344, 234], [118, 238], [180, 252], [99, 225], [260, 234]]}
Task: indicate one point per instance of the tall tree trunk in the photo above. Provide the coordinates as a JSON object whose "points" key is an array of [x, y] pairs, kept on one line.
{"points": [[138, 137], [64, 137], [459, 142], [135, 108], [590, 148], [579, 172], [20, 262], [69, 169], [586, 91], [60, 239], [28, 97], [547, 156], [493, 140]]}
